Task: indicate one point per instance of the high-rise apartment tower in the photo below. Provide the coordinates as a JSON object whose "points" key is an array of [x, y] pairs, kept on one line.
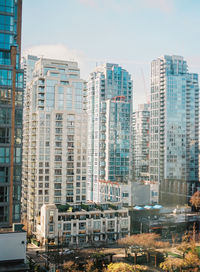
{"points": [[109, 107], [11, 100], [54, 137], [174, 131]]}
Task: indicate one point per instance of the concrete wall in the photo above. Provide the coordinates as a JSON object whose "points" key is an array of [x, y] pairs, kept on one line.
{"points": [[12, 246], [140, 194]]}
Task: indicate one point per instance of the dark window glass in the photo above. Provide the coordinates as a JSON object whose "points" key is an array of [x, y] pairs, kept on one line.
{"points": [[4, 174], [5, 135], [18, 117]]}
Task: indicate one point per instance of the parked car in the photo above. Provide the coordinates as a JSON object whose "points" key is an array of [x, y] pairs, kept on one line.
{"points": [[66, 251]]}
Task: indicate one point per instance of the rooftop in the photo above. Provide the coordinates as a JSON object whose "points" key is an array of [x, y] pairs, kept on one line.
{"points": [[89, 207]]}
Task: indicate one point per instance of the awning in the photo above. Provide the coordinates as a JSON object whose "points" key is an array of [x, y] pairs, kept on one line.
{"points": [[138, 208], [157, 206]]}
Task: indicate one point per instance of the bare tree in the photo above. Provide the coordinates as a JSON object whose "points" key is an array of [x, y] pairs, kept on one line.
{"points": [[195, 200]]}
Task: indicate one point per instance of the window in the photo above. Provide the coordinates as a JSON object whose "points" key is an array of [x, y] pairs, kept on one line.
{"points": [[58, 158], [5, 116], [57, 185], [5, 75], [70, 172], [4, 174], [3, 194], [46, 178], [5, 135], [50, 228], [70, 165], [57, 199], [97, 224], [82, 226], [58, 130], [70, 117], [58, 124], [59, 116], [58, 144], [18, 135], [70, 185], [5, 94], [111, 224], [125, 194], [67, 226], [18, 117], [58, 172], [4, 155]]}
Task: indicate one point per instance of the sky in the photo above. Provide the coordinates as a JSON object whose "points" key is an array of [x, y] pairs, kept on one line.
{"points": [[130, 33]]}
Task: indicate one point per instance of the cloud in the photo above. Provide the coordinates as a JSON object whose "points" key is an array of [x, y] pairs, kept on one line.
{"points": [[55, 51], [88, 63], [62, 52]]}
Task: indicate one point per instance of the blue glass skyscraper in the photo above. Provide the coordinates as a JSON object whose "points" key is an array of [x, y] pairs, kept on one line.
{"points": [[174, 132], [109, 107], [11, 100]]}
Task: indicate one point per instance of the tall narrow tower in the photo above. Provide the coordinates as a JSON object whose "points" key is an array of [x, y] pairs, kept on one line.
{"points": [[109, 110], [11, 100], [140, 132], [174, 132]]}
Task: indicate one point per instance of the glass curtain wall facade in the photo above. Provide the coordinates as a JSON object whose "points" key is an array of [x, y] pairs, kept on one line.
{"points": [[28, 65], [109, 107], [11, 105], [54, 138], [140, 142], [174, 129]]}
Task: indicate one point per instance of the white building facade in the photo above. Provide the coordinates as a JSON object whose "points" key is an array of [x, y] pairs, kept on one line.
{"points": [[54, 137], [13, 246], [81, 224]]}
